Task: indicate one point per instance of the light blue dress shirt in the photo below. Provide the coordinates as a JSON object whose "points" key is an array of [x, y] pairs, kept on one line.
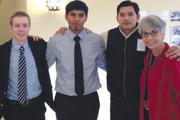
{"points": [[60, 49], [34, 88]]}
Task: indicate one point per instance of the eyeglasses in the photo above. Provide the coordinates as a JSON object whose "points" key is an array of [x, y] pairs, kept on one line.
{"points": [[153, 33]]}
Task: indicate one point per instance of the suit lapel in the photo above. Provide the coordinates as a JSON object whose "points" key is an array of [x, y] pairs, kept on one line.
{"points": [[6, 61], [8, 49]]}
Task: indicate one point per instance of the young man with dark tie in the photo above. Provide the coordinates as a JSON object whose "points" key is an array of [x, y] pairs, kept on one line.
{"points": [[25, 83], [77, 55]]}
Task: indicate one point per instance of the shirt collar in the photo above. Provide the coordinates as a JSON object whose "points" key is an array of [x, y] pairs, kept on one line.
{"points": [[127, 36], [17, 46], [72, 35]]}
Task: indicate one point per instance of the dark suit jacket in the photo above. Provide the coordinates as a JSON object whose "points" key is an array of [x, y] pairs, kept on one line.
{"points": [[38, 50]]}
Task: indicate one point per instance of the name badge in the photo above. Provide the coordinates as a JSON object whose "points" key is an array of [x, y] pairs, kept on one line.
{"points": [[140, 45]]}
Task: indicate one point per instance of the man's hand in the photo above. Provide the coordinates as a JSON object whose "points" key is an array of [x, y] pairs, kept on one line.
{"points": [[35, 38], [62, 31], [173, 52], [88, 30]]}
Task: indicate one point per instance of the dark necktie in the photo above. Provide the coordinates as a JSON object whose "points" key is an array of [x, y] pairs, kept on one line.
{"points": [[22, 83], [78, 63]]}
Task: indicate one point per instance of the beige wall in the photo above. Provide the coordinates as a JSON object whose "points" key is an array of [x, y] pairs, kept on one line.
{"points": [[45, 23], [102, 14], [7, 8]]}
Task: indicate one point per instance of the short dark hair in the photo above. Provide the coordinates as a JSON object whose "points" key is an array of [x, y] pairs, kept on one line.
{"points": [[19, 14], [76, 5], [128, 3]]}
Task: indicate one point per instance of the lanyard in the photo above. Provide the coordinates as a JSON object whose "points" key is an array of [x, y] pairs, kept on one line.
{"points": [[150, 62]]}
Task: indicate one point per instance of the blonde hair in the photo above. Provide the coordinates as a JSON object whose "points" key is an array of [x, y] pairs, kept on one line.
{"points": [[19, 14]]}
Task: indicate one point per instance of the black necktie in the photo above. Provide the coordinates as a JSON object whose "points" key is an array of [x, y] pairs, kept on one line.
{"points": [[78, 63], [22, 83]]}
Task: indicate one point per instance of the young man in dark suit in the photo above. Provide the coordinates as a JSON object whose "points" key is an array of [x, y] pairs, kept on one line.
{"points": [[24, 80]]}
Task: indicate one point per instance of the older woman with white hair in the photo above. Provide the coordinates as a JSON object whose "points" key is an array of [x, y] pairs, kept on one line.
{"points": [[160, 81]]}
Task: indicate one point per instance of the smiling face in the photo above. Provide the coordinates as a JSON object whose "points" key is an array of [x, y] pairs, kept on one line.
{"points": [[76, 20], [20, 27], [127, 18], [152, 38]]}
